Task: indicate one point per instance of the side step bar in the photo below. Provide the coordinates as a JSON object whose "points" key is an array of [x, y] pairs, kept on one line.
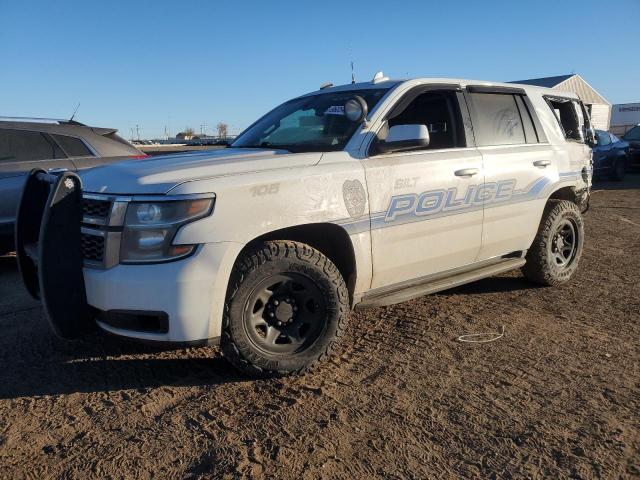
{"points": [[49, 250], [436, 283]]}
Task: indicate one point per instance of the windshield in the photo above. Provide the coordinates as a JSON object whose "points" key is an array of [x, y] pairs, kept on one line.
{"points": [[308, 124], [633, 134]]}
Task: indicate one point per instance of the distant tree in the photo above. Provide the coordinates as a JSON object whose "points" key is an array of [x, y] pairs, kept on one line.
{"points": [[222, 129], [189, 132]]}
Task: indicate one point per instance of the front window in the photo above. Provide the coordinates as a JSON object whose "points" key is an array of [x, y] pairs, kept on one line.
{"points": [[315, 123], [633, 134]]}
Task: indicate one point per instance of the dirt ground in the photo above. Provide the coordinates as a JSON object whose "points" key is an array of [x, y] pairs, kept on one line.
{"points": [[557, 397]]}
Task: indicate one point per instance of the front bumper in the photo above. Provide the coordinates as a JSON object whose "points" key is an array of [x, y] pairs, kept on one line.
{"points": [[190, 292]]}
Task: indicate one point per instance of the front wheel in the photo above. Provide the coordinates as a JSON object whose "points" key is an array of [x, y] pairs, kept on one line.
{"points": [[554, 255], [287, 305]]}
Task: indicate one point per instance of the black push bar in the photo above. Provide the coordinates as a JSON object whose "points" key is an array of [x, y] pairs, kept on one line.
{"points": [[49, 249]]}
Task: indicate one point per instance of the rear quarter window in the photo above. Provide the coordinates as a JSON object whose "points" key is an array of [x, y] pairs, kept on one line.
{"points": [[566, 112], [74, 147]]}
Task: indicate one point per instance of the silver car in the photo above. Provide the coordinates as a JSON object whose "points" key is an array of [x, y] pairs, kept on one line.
{"points": [[52, 145]]}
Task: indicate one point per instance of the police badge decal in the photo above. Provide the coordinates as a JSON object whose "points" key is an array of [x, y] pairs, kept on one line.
{"points": [[355, 198]]}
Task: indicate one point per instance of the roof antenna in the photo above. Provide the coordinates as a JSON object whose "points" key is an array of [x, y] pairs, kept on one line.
{"points": [[74, 112], [353, 76]]}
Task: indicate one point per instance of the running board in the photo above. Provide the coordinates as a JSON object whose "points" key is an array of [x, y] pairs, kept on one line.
{"points": [[436, 283]]}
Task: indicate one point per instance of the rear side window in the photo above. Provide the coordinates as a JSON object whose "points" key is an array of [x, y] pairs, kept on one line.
{"points": [[22, 145], [74, 147], [497, 119], [117, 138], [567, 116]]}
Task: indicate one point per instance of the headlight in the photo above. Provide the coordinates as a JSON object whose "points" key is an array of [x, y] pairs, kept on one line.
{"points": [[150, 227]]}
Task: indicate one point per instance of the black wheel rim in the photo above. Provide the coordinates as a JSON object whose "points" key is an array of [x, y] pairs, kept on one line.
{"points": [[564, 243], [285, 314]]}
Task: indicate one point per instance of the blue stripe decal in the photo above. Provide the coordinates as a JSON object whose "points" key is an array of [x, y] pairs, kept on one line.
{"points": [[412, 207]]}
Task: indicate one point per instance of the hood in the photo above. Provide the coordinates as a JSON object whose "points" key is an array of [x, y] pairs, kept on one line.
{"points": [[159, 174]]}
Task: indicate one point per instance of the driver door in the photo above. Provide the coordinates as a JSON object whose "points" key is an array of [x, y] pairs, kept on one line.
{"points": [[426, 204]]}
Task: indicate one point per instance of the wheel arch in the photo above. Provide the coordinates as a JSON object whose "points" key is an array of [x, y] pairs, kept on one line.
{"points": [[580, 197], [566, 193], [330, 239]]}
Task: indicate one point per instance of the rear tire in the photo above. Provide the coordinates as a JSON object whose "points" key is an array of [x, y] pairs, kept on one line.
{"points": [[287, 305], [553, 257]]}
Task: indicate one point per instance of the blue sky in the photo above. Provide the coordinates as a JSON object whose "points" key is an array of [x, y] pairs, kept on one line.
{"points": [[185, 63]]}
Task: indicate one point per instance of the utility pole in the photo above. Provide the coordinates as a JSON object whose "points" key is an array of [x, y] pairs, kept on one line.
{"points": [[138, 131], [132, 136], [166, 133], [202, 128]]}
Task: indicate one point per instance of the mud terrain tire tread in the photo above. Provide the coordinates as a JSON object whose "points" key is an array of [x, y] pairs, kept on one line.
{"points": [[238, 350], [539, 267]]}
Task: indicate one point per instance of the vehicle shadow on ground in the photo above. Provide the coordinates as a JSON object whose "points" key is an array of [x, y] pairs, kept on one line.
{"points": [[630, 182], [35, 362], [103, 364], [102, 375], [492, 285]]}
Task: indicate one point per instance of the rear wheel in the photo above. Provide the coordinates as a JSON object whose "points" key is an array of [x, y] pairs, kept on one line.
{"points": [[286, 307], [554, 255]]}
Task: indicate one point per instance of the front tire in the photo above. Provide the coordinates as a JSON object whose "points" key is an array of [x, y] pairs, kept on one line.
{"points": [[555, 253], [287, 305]]}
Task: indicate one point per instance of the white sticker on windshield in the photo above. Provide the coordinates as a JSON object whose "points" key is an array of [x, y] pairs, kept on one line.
{"points": [[335, 110]]}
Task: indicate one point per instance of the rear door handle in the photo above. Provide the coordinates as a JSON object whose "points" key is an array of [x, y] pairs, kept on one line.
{"points": [[542, 163], [466, 172]]}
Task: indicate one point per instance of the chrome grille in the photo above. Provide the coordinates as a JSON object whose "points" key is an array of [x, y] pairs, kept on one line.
{"points": [[92, 247], [102, 220]]}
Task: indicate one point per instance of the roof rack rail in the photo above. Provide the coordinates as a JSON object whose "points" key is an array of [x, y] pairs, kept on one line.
{"points": [[39, 120]]}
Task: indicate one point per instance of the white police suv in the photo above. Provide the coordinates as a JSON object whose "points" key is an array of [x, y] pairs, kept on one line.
{"points": [[351, 196]]}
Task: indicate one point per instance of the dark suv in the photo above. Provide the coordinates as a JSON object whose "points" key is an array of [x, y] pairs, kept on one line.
{"points": [[633, 137], [51, 145]]}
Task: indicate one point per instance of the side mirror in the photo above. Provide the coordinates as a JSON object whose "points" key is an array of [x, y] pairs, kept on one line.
{"points": [[404, 137], [590, 137], [356, 109]]}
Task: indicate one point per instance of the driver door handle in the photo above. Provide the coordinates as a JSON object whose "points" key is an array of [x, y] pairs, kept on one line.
{"points": [[542, 163], [466, 172]]}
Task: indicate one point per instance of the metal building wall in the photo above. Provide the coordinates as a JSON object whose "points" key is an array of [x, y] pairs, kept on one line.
{"points": [[600, 116]]}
